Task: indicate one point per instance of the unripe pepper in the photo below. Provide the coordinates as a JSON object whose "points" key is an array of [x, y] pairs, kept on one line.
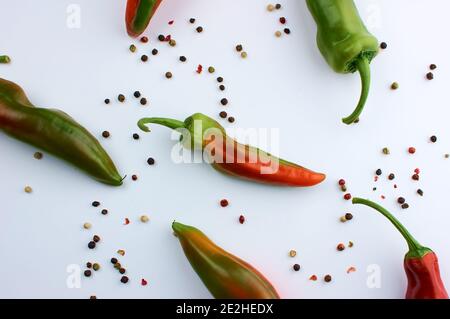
{"points": [[345, 43], [226, 276], [139, 14], [55, 132], [230, 157], [4, 59], [421, 263]]}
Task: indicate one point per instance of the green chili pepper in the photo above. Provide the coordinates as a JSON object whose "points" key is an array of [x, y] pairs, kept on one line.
{"points": [[226, 276], [345, 43], [55, 132], [5, 59]]}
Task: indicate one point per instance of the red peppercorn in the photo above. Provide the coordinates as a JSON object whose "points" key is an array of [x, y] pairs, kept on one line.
{"points": [[341, 182], [199, 69], [171, 22], [242, 219], [224, 203], [144, 39], [143, 282], [411, 150], [347, 196], [417, 171], [282, 20], [415, 177]]}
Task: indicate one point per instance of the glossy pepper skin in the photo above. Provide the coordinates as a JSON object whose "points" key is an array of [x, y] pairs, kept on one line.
{"points": [[229, 154], [5, 59], [345, 43], [139, 14], [226, 276], [421, 263], [54, 132]]}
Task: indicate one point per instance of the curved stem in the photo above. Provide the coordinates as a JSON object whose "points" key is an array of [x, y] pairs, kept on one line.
{"points": [[363, 66], [170, 123], [413, 244]]}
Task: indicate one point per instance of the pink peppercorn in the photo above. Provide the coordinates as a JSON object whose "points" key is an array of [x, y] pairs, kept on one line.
{"points": [[411, 150], [347, 196], [417, 171], [341, 182], [282, 20], [224, 203], [242, 219]]}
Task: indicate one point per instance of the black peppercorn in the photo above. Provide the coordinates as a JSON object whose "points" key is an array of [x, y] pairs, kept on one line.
{"points": [[114, 261], [87, 273], [95, 203], [91, 245], [296, 267], [124, 279], [151, 161], [135, 136]]}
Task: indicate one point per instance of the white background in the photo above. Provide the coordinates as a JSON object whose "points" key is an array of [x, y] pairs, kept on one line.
{"points": [[283, 84]]}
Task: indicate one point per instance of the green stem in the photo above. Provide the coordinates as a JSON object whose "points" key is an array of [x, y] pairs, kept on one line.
{"points": [[415, 249], [170, 123], [4, 59], [363, 66]]}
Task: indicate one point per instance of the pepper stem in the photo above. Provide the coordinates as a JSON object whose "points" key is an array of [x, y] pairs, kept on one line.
{"points": [[415, 249], [363, 66], [170, 123]]}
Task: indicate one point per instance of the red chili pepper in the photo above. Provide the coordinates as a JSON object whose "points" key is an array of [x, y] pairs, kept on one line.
{"points": [[233, 158], [421, 263], [139, 14]]}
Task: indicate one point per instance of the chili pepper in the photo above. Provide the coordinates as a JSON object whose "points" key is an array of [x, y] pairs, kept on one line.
{"points": [[233, 158], [5, 59], [421, 263], [54, 132], [345, 43], [226, 276], [139, 14]]}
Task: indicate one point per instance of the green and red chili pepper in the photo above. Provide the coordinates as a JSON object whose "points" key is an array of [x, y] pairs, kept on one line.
{"points": [[139, 14], [233, 158], [345, 43], [421, 263], [55, 132], [226, 276]]}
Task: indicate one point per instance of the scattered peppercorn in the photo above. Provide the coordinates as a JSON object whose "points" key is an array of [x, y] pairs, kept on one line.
{"points": [[348, 216], [244, 55], [378, 172], [122, 271], [282, 20], [143, 282], [433, 66], [343, 219], [242, 219], [144, 219], [199, 29], [447, 155], [117, 266], [95, 203], [327, 278], [224, 203], [405, 206], [220, 79], [121, 98], [144, 39], [96, 267], [143, 101], [430, 76], [192, 20], [87, 225], [350, 244], [343, 188], [87, 273], [231, 119], [134, 177], [415, 177], [292, 253], [151, 161], [124, 279], [144, 58], [172, 42], [96, 238], [169, 75], [107, 101], [433, 139], [106, 134], [383, 45], [211, 69], [104, 212], [347, 196], [183, 58], [391, 177], [239, 48], [224, 101], [287, 31], [89, 265], [28, 189], [114, 261], [270, 7], [121, 252], [127, 221], [401, 200], [340, 247], [341, 182], [278, 33], [394, 86], [223, 114], [91, 245], [386, 151], [411, 150], [296, 267], [137, 94], [133, 48], [161, 38], [38, 155], [93, 297], [420, 192], [313, 278]]}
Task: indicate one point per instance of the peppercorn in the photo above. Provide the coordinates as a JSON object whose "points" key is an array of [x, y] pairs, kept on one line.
{"points": [[192, 20], [151, 161], [124, 279], [121, 98], [343, 219], [222, 87], [350, 244], [231, 119], [341, 182], [343, 188], [378, 172], [28, 189], [95, 203], [122, 271], [96, 267], [183, 58], [296, 267], [292, 253], [104, 212], [278, 6], [383, 45], [117, 266], [348, 216], [144, 39], [172, 42], [394, 86], [327, 278], [224, 203], [143, 101], [223, 114], [169, 75], [420, 192], [386, 151], [107, 101], [106, 134], [96, 238], [340, 247], [224, 101], [447, 155], [244, 55], [239, 48], [391, 177], [144, 219], [134, 177], [411, 150], [401, 200], [89, 265], [144, 58], [114, 261], [38, 155], [154, 52], [161, 38], [278, 34], [405, 206], [242, 219], [270, 7], [433, 66], [211, 69], [282, 20], [133, 48], [91, 245], [347, 196], [87, 273], [135, 136], [137, 94], [433, 139], [93, 297], [199, 29], [287, 31], [430, 76], [87, 225], [415, 177], [220, 79]]}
